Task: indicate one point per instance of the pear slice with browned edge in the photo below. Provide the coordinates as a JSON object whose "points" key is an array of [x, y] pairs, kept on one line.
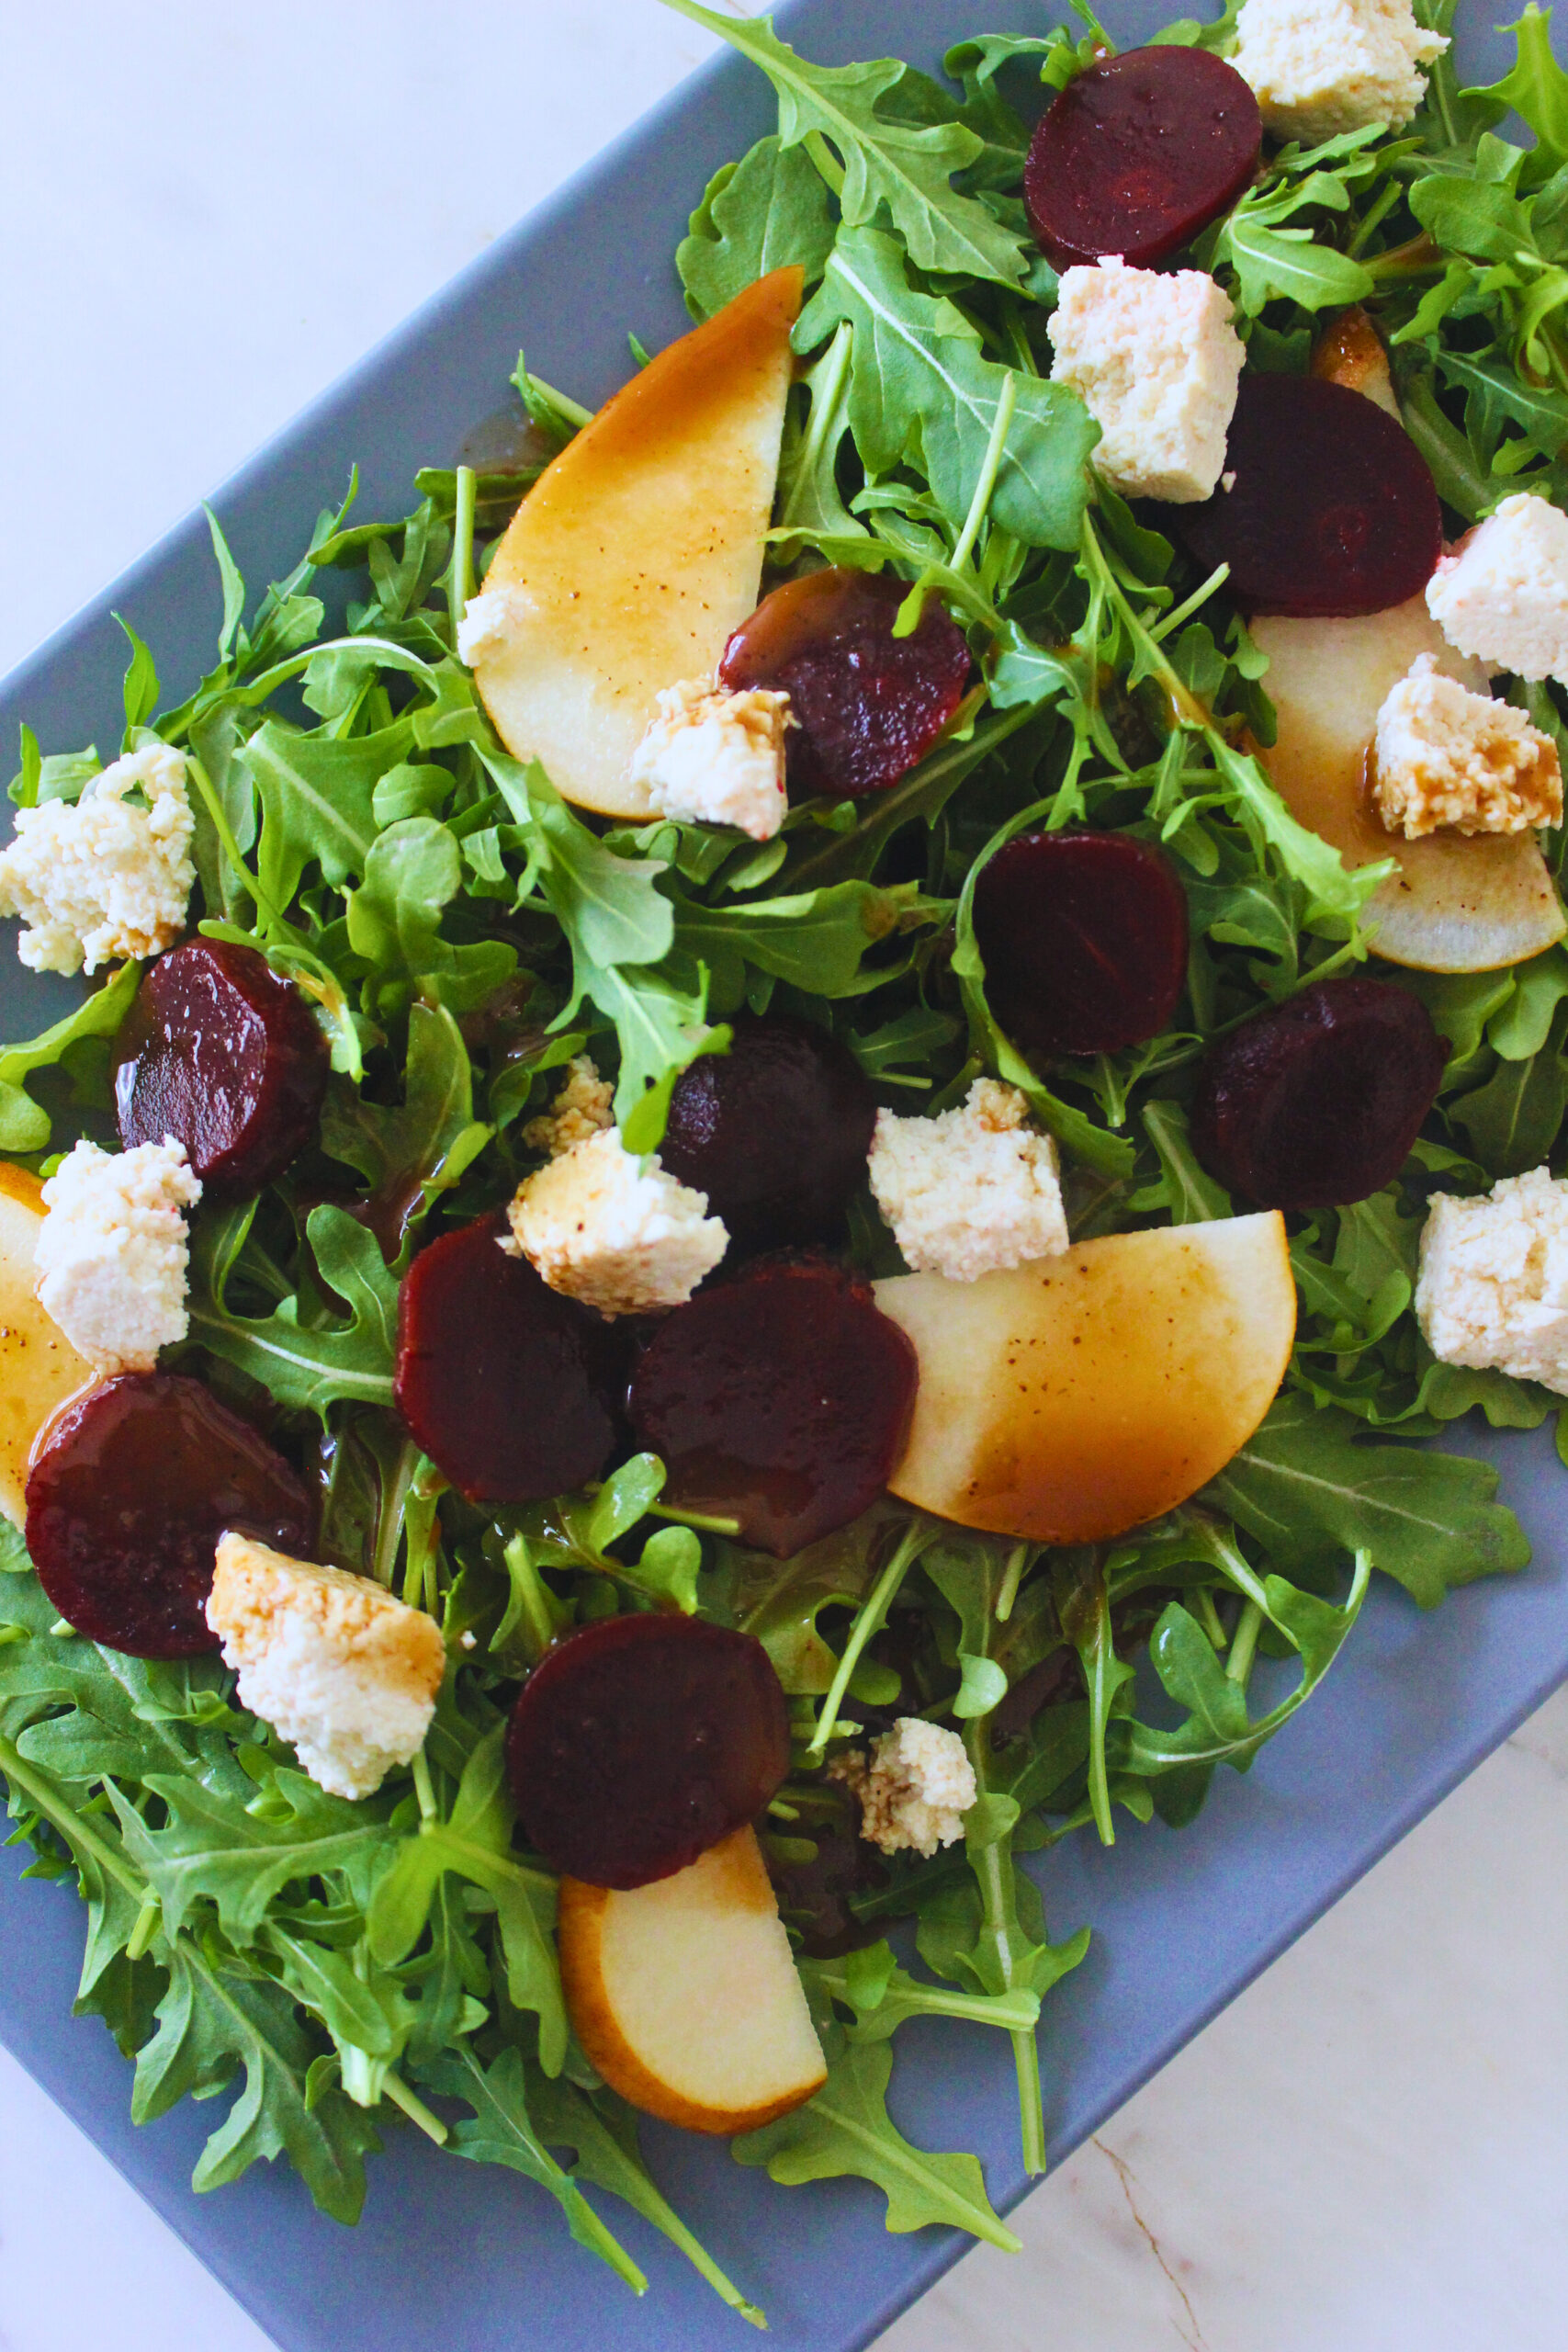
{"points": [[686, 1995], [1069, 1399], [639, 550], [1458, 903], [40, 1369]]}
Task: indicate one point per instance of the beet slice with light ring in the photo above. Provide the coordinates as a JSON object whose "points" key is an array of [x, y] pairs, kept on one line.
{"points": [[780, 1399], [1083, 939], [128, 1497], [639, 1742]]}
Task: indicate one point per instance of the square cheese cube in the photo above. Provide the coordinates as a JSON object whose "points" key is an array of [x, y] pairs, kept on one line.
{"points": [[1446, 757], [1320, 67], [1157, 361], [1492, 1292], [618, 1232], [1502, 596]]}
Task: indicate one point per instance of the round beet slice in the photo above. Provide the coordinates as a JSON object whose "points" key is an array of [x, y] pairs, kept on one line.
{"points": [[641, 1741], [780, 1399], [511, 1389], [1333, 511], [866, 704], [1083, 937], [128, 1497], [1138, 155], [1318, 1102], [775, 1133], [220, 1053]]}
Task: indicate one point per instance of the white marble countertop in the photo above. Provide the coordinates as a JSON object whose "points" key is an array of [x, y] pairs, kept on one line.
{"points": [[1370, 2148]]}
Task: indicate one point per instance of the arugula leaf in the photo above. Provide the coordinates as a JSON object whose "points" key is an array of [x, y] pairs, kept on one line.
{"points": [[316, 794], [312, 1365], [769, 208], [1536, 87], [412, 1154], [25, 1126]]}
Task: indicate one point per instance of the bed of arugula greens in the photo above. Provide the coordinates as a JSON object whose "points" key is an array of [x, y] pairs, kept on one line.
{"points": [[336, 1968]]}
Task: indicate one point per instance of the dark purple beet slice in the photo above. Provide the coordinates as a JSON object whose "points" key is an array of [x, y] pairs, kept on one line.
{"points": [[1318, 1102], [1084, 938], [1333, 511], [641, 1741], [220, 1053], [775, 1133], [866, 704], [1138, 155], [510, 1388], [127, 1500], [780, 1399]]}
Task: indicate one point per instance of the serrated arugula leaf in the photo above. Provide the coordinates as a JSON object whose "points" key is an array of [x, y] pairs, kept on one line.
{"points": [[316, 794], [769, 209], [24, 1124], [411, 1153], [1536, 87], [882, 1996], [217, 1847], [310, 1364]]}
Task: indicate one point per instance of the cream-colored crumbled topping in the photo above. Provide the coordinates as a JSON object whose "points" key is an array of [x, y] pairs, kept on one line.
{"points": [[914, 1791], [584, 1107], [1447, 757], [112, 1251], [99, 878], [971, 1191], [714, 757], [616, 1231]]}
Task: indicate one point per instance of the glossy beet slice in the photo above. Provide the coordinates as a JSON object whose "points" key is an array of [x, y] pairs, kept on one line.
{"points": [[1084, 938], [1138, 155], [866, 704], [780, 1399], [639, 1742], [218, 1052], [1333, 511], [775, 1133], [127, 1500], [510, 1388], [1318, 1101]]}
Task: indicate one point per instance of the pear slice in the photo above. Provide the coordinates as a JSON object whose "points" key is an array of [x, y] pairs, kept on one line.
{"points": [[1458, 903], [639, 550], [685, 1996], [40, 1369], [1349, 351], [1064, 1401]]}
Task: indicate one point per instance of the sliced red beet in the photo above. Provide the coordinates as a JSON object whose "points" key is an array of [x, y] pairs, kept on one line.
{"points": [[511, 1389], [1318, 1102], [1138, 155], [866, 704], [1333, 511], [220, 1053], [1083, 939], [780, 1399], [127, 1500], [775, 1132], [641, 1741]]}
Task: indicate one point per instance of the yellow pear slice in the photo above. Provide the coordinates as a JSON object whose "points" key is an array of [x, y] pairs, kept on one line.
{"points": [[1349, 351], [39, 1366], [686, 1995], [639, 550], [1067, 1400]]}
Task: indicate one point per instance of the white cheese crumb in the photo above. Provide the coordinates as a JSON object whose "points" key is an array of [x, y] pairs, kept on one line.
{"points": [[915, 1792], [1445, 756], [1157, 361], [99, 878], [584, 1107], [713, 757], [345, 1672], [488, 622], [111, 1251], [1502, 595], [1493, 1283], [1319, 67], [617, 1232], [972, 1190]]}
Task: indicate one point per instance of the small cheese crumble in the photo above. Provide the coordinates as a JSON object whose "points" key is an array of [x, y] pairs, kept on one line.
{"points": [[1445, 756], [915, 1788], [346, 1673], [717, 758], [1502, 595], [1157, 361], [1319, 67], [582, 1108], [488, 623], [617, 1232], [972, 1190], [1493, 1291], [111, 1251], [99, 878]]}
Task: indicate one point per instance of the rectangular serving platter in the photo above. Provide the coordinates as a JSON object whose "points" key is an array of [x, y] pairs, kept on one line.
{"points": [[452, 2256]]}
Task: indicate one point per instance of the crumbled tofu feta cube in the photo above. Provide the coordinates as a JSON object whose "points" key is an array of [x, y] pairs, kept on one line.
{"points": [[1446, 757], [1157, 361], [98, 878], [1493, 1290], [584, 1107], [713, 757], [972, 1190], [915, 1788], [488, 622], [111, 1251], [1502, 595], [346, 1673], [1319, 67], [617, 1232]]}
